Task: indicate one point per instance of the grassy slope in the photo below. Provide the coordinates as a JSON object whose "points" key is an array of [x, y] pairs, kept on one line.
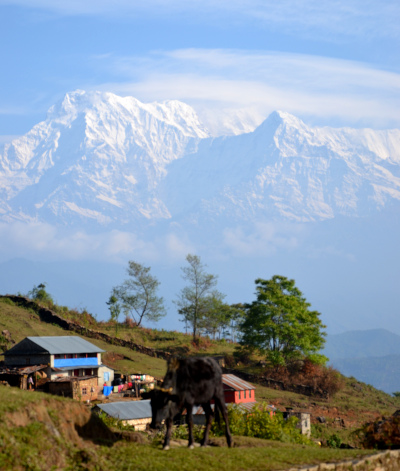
{"points": [[356, 404], [22, 323], [41, 433]]}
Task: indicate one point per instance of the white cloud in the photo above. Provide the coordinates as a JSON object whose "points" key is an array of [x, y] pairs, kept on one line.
{"points": [[308, 17], [6, 139], [225, 83], [42, 241], [263, 239]]}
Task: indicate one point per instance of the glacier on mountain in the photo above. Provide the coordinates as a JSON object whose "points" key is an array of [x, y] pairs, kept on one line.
{"points": [[107, 160]]}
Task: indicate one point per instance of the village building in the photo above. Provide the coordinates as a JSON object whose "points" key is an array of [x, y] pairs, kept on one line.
{"points": [[61, 359], [80, 388], [304, 420], [237, 391], [136, 413]]}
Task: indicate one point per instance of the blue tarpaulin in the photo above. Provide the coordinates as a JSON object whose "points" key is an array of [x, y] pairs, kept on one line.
{"points": [[107, 390]]}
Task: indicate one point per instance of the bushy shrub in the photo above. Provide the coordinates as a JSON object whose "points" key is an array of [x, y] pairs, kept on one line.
{"points": [[39, 293], [308, 373], [381, 434], [202, 343], [242, 355], [129, 322], [334, 441], [230, 361], [259, 423], [8, 301]]}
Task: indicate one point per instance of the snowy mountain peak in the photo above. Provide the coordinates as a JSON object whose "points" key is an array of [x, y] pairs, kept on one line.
{"points": [[113, 160], [99, 105]]}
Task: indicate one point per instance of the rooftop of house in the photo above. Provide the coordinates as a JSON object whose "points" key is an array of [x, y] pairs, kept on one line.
{"points": [[237, 384], [68, 344], [127, 410]]}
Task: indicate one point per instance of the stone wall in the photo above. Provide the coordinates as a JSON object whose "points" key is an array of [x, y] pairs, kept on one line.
{"points": [[385, 461]]}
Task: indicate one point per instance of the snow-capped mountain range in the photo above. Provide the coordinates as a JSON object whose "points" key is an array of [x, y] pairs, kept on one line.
{"points": [[100, 158]]}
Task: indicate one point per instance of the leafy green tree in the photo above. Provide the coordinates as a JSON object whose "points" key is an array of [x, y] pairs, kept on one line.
{"points": [[216, 316], [236, 317], [115, 309], [280, 324], [39, 293], [197, 298], [138, 295]]}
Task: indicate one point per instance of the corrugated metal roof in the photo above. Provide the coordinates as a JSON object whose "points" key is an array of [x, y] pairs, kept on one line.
{"points": [[25, 370], [65, 344], [127, 410], [233, 382]]}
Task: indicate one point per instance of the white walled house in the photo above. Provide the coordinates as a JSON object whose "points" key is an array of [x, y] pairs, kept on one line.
{"points": [[65, 356]]}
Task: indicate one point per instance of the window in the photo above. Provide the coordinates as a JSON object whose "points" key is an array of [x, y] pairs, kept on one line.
{"points": [[84, 391], [245, 394], [28, 361], [239, 394]]}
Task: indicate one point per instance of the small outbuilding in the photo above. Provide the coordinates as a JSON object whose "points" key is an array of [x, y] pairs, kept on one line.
{"points": [[136, 413], [237, 390], [80, 388], [304, 420]]}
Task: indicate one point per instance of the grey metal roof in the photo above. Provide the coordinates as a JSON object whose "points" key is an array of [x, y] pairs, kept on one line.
{"points": [[127, 410], [233, 382], [65, 344]]}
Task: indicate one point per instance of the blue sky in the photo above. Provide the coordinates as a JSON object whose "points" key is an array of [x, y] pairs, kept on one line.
{"points": [[329, 62]]}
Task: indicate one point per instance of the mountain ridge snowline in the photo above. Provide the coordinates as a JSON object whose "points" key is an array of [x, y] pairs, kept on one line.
{"points": [[107, 160]]}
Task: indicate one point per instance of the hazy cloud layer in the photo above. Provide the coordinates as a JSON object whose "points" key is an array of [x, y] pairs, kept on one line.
{"points": [[308, 17], [222, 84], [42, 241], [45, 242]]}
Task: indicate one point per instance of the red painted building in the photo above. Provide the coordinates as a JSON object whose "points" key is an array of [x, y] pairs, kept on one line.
{"points": [[237, 390]]}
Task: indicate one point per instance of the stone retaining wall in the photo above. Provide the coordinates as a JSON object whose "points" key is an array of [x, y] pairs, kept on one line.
{"points": [[385, 461]]}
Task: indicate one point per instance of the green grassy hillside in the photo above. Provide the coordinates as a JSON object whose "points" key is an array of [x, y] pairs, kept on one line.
{"points": [[355, 404], [22, 323], [40, 432]]}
